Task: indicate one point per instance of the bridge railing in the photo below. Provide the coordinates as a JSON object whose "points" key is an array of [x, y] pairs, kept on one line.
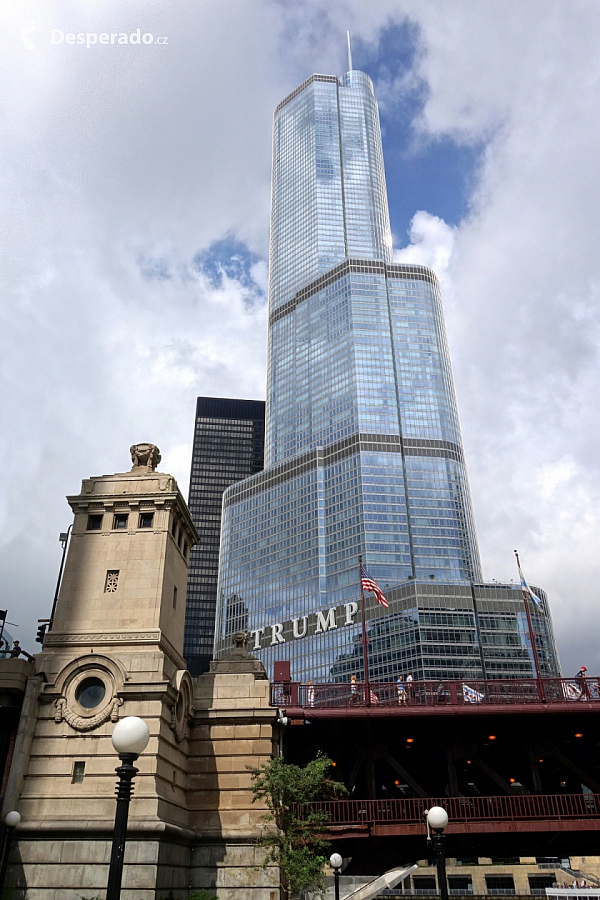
{"points": [[460, 809], [434, 693]]}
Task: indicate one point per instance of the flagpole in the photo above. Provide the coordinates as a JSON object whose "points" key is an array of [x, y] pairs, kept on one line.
{"points": [[531, 636], [364, 634]]}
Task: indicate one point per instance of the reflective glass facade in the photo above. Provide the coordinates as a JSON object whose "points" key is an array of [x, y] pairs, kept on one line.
{"points": [[363, 447], [329, 196], [451, 631], [229, 438]]}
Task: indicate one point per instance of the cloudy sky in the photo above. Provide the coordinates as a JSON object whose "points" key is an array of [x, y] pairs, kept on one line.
{"points": [[134, 231]]}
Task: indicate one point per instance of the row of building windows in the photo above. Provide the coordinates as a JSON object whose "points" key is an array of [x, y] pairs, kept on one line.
{"points": [[120, 521]]}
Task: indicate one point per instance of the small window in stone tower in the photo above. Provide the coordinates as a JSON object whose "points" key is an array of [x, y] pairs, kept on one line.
{"points": [[94, 523], [146, 520], [174, 597], [120, 520], [112, 580], [78, 772]]}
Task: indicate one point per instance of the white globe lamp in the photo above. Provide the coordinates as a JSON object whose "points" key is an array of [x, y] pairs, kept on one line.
{"points": [[130, 735], [12, 819], [437, 818]]}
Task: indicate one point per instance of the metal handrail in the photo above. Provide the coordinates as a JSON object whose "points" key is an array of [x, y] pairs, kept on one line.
{"points": [[460, 809], [464, 693]]}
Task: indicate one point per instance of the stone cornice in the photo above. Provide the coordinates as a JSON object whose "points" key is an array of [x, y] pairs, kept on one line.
{"points": [[263, 716], [105, 829], [107, 637], [162, 499], [125, 638]]}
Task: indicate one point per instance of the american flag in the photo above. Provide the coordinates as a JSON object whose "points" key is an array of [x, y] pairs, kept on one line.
{"points": [[369, 585]]}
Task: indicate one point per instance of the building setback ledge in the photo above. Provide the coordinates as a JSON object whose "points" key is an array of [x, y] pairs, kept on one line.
{"points": [[70, 828]]}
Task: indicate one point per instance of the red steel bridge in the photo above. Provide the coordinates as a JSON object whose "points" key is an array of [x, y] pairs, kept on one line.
{"points": [[549, 812], [516, 762], [471, 695]]}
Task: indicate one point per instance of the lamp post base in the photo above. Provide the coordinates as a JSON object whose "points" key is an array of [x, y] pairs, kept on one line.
{"points": [[439, 845]]}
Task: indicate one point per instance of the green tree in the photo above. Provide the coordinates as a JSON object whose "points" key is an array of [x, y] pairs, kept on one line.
{"points": [[292, 835]]}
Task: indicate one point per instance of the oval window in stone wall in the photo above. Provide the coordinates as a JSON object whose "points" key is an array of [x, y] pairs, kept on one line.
{"points": [[90, 692]]}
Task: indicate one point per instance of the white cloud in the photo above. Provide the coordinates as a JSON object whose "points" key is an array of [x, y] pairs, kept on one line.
{"points": [[115, 155], [521, 278], [431, 244], [523, 316]]}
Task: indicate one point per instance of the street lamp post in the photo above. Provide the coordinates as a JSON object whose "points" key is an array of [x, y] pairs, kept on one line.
{"points": [[437, 819], [64, 540], [335, 861], [10, 823], [130, 738]]}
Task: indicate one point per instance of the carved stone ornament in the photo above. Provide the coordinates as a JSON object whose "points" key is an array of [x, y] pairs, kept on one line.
{"points": [[179, 727], [182, 708], [145, 456], [239, 639], [79, 723], [89, 637], [238, 661]]}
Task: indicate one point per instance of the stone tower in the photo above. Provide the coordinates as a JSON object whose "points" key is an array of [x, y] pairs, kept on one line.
{"points": [[113, 650]]}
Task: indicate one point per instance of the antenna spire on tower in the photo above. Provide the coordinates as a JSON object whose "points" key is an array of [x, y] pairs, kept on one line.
{"points": [[349, 52]]}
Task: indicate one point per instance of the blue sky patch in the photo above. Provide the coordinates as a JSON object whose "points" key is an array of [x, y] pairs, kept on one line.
{"points": [[229, 258], [437, 175]]}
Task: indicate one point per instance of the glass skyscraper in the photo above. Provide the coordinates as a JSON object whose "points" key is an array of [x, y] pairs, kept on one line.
{"points": [[363, 452], [229, 439]]}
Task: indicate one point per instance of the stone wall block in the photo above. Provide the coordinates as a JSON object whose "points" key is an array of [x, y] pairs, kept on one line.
{"points": [[140, 851], [207, 820], [233, 893], [247, 731], [232, 692], [261, 690], [139, 876], [222, 732], [233, 821], [199, 733], [97, 852], [241, 781], [59, 875], [262, 748], [39, 851], [233, 748], [244, 877], [202, 765]]}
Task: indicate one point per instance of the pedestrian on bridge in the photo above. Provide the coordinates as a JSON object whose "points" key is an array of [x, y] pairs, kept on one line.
{"points": [[401, 690]]}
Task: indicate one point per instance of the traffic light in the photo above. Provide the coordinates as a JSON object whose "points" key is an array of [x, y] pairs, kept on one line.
{"points": [[42, 629]]}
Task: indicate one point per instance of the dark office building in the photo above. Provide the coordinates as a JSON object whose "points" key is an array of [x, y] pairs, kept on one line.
{"points": [[228, 446]]}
